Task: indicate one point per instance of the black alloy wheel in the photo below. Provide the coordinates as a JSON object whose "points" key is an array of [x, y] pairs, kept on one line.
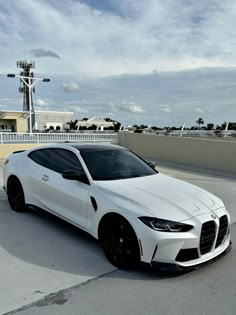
{"points": [[15, 195], [119, 242]]}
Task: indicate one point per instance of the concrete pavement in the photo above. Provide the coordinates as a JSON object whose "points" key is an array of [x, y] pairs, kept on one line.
{"points": [[207, 291], [50, 267]]}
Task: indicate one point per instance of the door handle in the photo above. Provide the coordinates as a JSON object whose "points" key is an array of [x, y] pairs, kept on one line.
{"points": [[45, 178]]}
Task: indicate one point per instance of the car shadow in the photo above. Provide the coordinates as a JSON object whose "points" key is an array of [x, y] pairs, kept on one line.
{"points": [[39, 238]]}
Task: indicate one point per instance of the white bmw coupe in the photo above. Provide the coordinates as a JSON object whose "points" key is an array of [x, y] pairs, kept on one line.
{"points": [[137, 213]]}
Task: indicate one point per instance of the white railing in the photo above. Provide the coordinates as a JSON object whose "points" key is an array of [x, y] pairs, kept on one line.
{"points": [[12, 137]]}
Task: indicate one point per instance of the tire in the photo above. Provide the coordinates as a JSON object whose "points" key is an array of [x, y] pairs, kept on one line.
{"points": [[119, 242], [15, 194]]}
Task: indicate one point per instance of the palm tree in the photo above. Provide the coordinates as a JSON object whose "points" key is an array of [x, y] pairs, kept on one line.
{"points": [[210, 126], [73, 124], [200, 122]]}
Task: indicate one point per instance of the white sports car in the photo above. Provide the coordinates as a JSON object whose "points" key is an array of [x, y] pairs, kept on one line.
{"points": [[137, 213]]}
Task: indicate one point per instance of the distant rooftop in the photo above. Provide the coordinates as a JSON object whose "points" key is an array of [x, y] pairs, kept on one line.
{"points": [[36, 111]]}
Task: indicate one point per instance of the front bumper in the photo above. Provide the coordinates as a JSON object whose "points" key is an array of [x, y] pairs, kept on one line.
{"points": [[186, 250], [175, 267]]}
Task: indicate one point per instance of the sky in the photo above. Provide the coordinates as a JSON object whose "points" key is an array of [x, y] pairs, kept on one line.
{"points": [[163, 63]]}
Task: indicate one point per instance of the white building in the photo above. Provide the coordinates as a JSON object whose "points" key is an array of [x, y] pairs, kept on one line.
{"points": [[52, 119], [97, 121]]}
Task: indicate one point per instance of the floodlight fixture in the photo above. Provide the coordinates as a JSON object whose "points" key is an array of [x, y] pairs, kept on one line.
{"points": [[11, 75], [24, 64]]}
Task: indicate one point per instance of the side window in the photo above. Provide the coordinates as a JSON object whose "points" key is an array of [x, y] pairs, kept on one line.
{"points": [[40, 157], [56, 159], [62, 159]]}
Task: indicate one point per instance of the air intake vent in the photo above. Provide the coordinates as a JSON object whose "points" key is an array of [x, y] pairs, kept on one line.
{"points": [[187, 254]]}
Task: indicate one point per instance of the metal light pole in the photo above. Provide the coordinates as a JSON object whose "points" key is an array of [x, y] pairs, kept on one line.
{"points": [[30, 84]]}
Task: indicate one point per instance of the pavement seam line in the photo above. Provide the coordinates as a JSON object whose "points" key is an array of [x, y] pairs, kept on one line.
{"points": [[63, 291]]}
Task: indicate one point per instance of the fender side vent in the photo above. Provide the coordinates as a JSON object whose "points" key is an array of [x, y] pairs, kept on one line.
{"points": [[94, 203]]}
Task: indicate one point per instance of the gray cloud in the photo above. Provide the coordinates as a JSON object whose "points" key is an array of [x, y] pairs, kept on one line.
{"points": [[95, 39], [44, 53], [185, 93], [70, 87], [130, 108]]}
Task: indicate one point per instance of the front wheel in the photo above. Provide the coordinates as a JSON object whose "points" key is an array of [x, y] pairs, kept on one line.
{"points": [[119, 242], [15, 195]]}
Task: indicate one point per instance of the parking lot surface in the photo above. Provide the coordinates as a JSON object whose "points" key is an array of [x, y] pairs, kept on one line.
{"points": [[51, 267]]}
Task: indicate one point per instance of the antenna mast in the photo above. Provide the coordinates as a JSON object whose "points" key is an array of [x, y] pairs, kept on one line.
{"points": [[27, 92], [27, 83]]}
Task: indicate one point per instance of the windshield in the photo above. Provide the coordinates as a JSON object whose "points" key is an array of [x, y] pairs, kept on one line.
{"points": [[115, 164]]}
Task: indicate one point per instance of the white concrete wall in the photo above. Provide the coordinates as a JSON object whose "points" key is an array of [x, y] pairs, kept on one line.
{"points": [[218, 155]]}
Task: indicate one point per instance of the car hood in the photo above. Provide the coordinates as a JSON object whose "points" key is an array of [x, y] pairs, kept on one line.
{"points": [[161, 196]]}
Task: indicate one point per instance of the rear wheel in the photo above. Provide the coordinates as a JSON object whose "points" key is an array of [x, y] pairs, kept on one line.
{"points": [[15, 195], [119, 242]]}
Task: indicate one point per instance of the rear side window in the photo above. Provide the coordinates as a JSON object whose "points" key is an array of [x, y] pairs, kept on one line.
{"points": [[56, 159], [41, 157]]}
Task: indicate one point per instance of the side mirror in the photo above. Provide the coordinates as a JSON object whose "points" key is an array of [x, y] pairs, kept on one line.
{"points": [[152, 164], [75, 175]]}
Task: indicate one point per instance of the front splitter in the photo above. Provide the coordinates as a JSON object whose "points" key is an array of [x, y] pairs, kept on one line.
{"points": [[175, 268]]}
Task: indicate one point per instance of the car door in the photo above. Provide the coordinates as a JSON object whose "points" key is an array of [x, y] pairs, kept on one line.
{"points": [[66, 198]]}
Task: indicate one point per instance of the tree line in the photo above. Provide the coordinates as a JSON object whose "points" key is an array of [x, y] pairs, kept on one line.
{"points": [[73, 125], [200, 126]]}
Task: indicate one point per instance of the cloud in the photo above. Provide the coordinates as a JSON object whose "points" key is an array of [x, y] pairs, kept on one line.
{"points": [[44, 53], [5, 99], [199, 110], [136, 109], [43, 108], [108, 37], [40, 102], [70, 87], [2, 105], [130, 108], [78, 109], [165, 109]]}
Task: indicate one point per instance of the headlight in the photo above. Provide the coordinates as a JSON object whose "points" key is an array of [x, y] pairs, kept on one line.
{"points": [[165, 225]]}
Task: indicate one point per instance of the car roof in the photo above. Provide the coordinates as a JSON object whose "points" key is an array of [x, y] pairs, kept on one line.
{"points": [[94, 146], [81, 147]]}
